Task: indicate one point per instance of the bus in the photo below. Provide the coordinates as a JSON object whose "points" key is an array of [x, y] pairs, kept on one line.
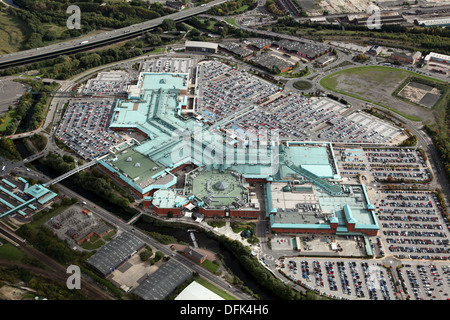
{"points": [[3, 168]]}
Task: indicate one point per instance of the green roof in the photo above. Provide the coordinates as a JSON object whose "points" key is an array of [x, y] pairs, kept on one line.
{"points": [[222, 188], [136, 165]]}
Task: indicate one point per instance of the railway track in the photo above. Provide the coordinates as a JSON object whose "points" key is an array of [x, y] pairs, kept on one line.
{"points": [[56, 271]]}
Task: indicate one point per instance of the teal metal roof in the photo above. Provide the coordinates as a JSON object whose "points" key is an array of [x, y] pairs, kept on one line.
{"points": [[9, 183], [168, 198], [47, 197], [348, 214], [37, 191]]}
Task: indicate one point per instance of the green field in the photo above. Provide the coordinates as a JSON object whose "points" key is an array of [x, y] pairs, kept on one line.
{"points": [[7, 118], [375, 84], [242, 9], [231, 21], [208, 264], [11, 253], [93, 243], [157, 50], [13, 33]]}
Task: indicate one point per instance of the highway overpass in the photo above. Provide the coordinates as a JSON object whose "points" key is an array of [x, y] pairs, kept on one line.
{"points": [[89, 42]]}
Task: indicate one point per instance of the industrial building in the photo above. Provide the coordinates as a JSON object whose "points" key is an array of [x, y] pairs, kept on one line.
{"points": [[440, 22], [272, 63], [260, 44], [324, 61], [306, 50], [385, 18], [236, 49], [196, 291], [406, 58], [177, 5], [200, 46], [113, 254], [159, 284], [195, 254], [437, 57]]}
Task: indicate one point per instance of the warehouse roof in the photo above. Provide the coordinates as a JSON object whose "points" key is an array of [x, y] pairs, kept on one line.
{"points": [[163, 281], [268, 61], [236, 49], [115, 252], [261, 43], [310, 50], [201, 44]]}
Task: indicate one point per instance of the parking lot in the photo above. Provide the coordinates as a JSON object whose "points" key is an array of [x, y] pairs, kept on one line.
{"points": [[342, 279], [169, 65], [401, 164], [426, 281], [84, 127], [221, 96], [10, 93], [413, 225], [299, 117], [111, 82]]}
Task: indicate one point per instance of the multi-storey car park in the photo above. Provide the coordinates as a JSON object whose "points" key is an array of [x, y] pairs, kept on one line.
{"points": [[208, 140]]}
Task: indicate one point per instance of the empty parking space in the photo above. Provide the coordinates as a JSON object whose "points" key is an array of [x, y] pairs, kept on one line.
{"points": [[387, 164]]}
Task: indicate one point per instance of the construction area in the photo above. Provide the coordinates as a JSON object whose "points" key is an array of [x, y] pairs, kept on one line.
{"points": [[421, 94]]}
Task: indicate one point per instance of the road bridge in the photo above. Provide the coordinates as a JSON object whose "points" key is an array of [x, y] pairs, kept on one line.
{"points": [[86, 43]]}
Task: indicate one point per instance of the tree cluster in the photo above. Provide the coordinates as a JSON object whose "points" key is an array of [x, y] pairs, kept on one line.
{"points": [[262, 275], [271, 7], [38, 13], [427, 39], [44, 287], [221, 28], [439, 133], [29, 112], [98, 185], [8, 150], [232, 7]]}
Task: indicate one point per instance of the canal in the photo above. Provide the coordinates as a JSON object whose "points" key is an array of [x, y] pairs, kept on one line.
{"points": [[20, 147], [212, 245]]}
